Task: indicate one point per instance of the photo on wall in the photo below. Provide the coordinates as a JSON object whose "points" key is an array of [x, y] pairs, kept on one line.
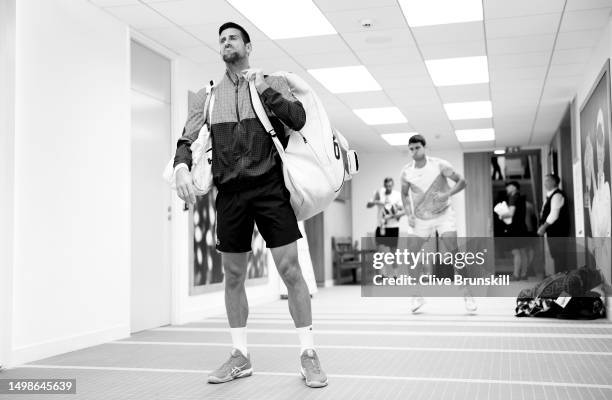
{"points": [[595, 149], [206, 268]]}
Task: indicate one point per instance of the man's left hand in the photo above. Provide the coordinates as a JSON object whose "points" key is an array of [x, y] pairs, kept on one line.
{"points": [[541, 230], [443, 196], [257, 75]]}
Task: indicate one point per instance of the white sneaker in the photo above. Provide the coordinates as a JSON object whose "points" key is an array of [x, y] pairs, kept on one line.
{"points": [[311, 371], [470, 304], [417, 302]]}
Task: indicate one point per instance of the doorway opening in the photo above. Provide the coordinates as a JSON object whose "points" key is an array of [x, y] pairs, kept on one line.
{"points": [[520, 170], [150, 148]]}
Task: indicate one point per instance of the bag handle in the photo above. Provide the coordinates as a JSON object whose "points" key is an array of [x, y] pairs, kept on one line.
{"points": [[209, 103], [263, 117]]}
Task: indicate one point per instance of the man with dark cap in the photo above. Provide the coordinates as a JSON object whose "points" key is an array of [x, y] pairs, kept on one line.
{"points": [[247, 173]]}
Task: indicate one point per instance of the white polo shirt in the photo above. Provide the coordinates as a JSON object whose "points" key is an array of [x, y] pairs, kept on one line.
{"points": [[425, 184]]}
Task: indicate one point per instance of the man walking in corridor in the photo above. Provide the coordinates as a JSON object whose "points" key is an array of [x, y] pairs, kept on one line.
{"points": [[247, 173], [426, 197]]}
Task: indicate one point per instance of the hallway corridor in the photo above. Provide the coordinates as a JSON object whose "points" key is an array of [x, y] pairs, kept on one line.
{"points": [[371, 348]]}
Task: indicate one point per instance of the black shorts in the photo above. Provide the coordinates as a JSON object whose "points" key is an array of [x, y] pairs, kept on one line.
{"points": [[389, 239], [267, 205]]}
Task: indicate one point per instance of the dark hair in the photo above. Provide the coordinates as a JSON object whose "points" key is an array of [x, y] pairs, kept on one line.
{"points": [[417, 139], [555, 178], [514, 183], [245, 36], [388, 179]]}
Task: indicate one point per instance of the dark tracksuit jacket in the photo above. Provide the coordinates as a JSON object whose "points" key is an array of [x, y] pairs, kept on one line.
{"points": [[244, 155]]}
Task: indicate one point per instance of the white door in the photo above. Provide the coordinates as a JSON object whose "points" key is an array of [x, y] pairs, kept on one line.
{"points": [[151, 149]]}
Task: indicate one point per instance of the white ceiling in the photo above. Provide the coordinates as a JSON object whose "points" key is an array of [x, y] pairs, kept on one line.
{"points": [[537, 52]]}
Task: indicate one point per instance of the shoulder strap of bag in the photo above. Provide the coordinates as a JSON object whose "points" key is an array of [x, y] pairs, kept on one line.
{"points": [[263, 117], [209, 103]]}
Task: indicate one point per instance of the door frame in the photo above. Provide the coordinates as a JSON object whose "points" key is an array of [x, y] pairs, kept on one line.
{"points": [[539, 151], [484, 190], [170, 231]]}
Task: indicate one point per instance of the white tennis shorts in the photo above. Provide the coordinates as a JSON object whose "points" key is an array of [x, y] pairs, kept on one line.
{"points": [[426, 228]]}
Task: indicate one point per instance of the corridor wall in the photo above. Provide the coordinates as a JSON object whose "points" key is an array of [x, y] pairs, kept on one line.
{"points": [[7, 171], [599, 56], [71, 274]]}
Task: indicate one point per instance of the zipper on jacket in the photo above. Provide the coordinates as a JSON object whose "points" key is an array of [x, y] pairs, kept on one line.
{"points": [[237, 111], [236, 85]]}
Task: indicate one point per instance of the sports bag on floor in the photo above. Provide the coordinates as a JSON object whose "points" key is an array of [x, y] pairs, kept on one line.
{"points": [[317, 160]]}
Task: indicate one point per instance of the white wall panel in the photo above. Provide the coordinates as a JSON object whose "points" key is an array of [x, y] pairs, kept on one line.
{"points": [[72, 180]]}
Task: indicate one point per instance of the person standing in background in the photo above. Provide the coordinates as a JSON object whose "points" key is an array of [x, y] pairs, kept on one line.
{"points": [[555, 222], [517, 229], [390, 210]]}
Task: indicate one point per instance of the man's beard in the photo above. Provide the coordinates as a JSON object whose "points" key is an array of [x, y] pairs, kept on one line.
{"points": [[231, 57]]}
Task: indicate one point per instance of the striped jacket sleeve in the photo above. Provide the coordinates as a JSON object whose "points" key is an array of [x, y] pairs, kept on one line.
{"points": [[279, 99], [195, 122]]}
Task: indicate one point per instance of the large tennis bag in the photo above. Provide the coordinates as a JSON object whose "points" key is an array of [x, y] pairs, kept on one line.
{"points": [[317, 160]]}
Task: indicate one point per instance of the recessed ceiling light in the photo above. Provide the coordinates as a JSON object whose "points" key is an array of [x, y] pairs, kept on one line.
{"points": [[438, 12], [281, 19], [458, 71], [468, 110], [381, 116], [475, 135], [346, 79], [398, 139], [500, 152]]}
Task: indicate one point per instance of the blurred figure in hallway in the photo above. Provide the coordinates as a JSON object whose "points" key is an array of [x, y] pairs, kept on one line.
{"points": [[497, 174], [390, 210], [555, 222], [516, 229]]}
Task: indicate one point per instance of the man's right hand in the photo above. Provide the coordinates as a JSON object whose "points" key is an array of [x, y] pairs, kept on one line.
{"points": [[412, 220], [184, 186]]}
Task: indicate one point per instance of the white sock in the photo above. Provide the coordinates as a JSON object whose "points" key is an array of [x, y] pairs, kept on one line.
{"points": [[306, 338], [239, 339]]}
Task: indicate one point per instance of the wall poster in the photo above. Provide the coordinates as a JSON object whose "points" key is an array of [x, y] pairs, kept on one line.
{"points": [[595, 149]]}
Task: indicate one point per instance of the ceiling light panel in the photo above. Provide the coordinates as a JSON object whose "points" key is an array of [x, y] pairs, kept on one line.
{"points": [[346, 79], [453, 33], [381, 115], [481, 123], [280, 19], [458, 71], [440, 12], [454, 94], [475, 135], [468, 110], [398, 139]]}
